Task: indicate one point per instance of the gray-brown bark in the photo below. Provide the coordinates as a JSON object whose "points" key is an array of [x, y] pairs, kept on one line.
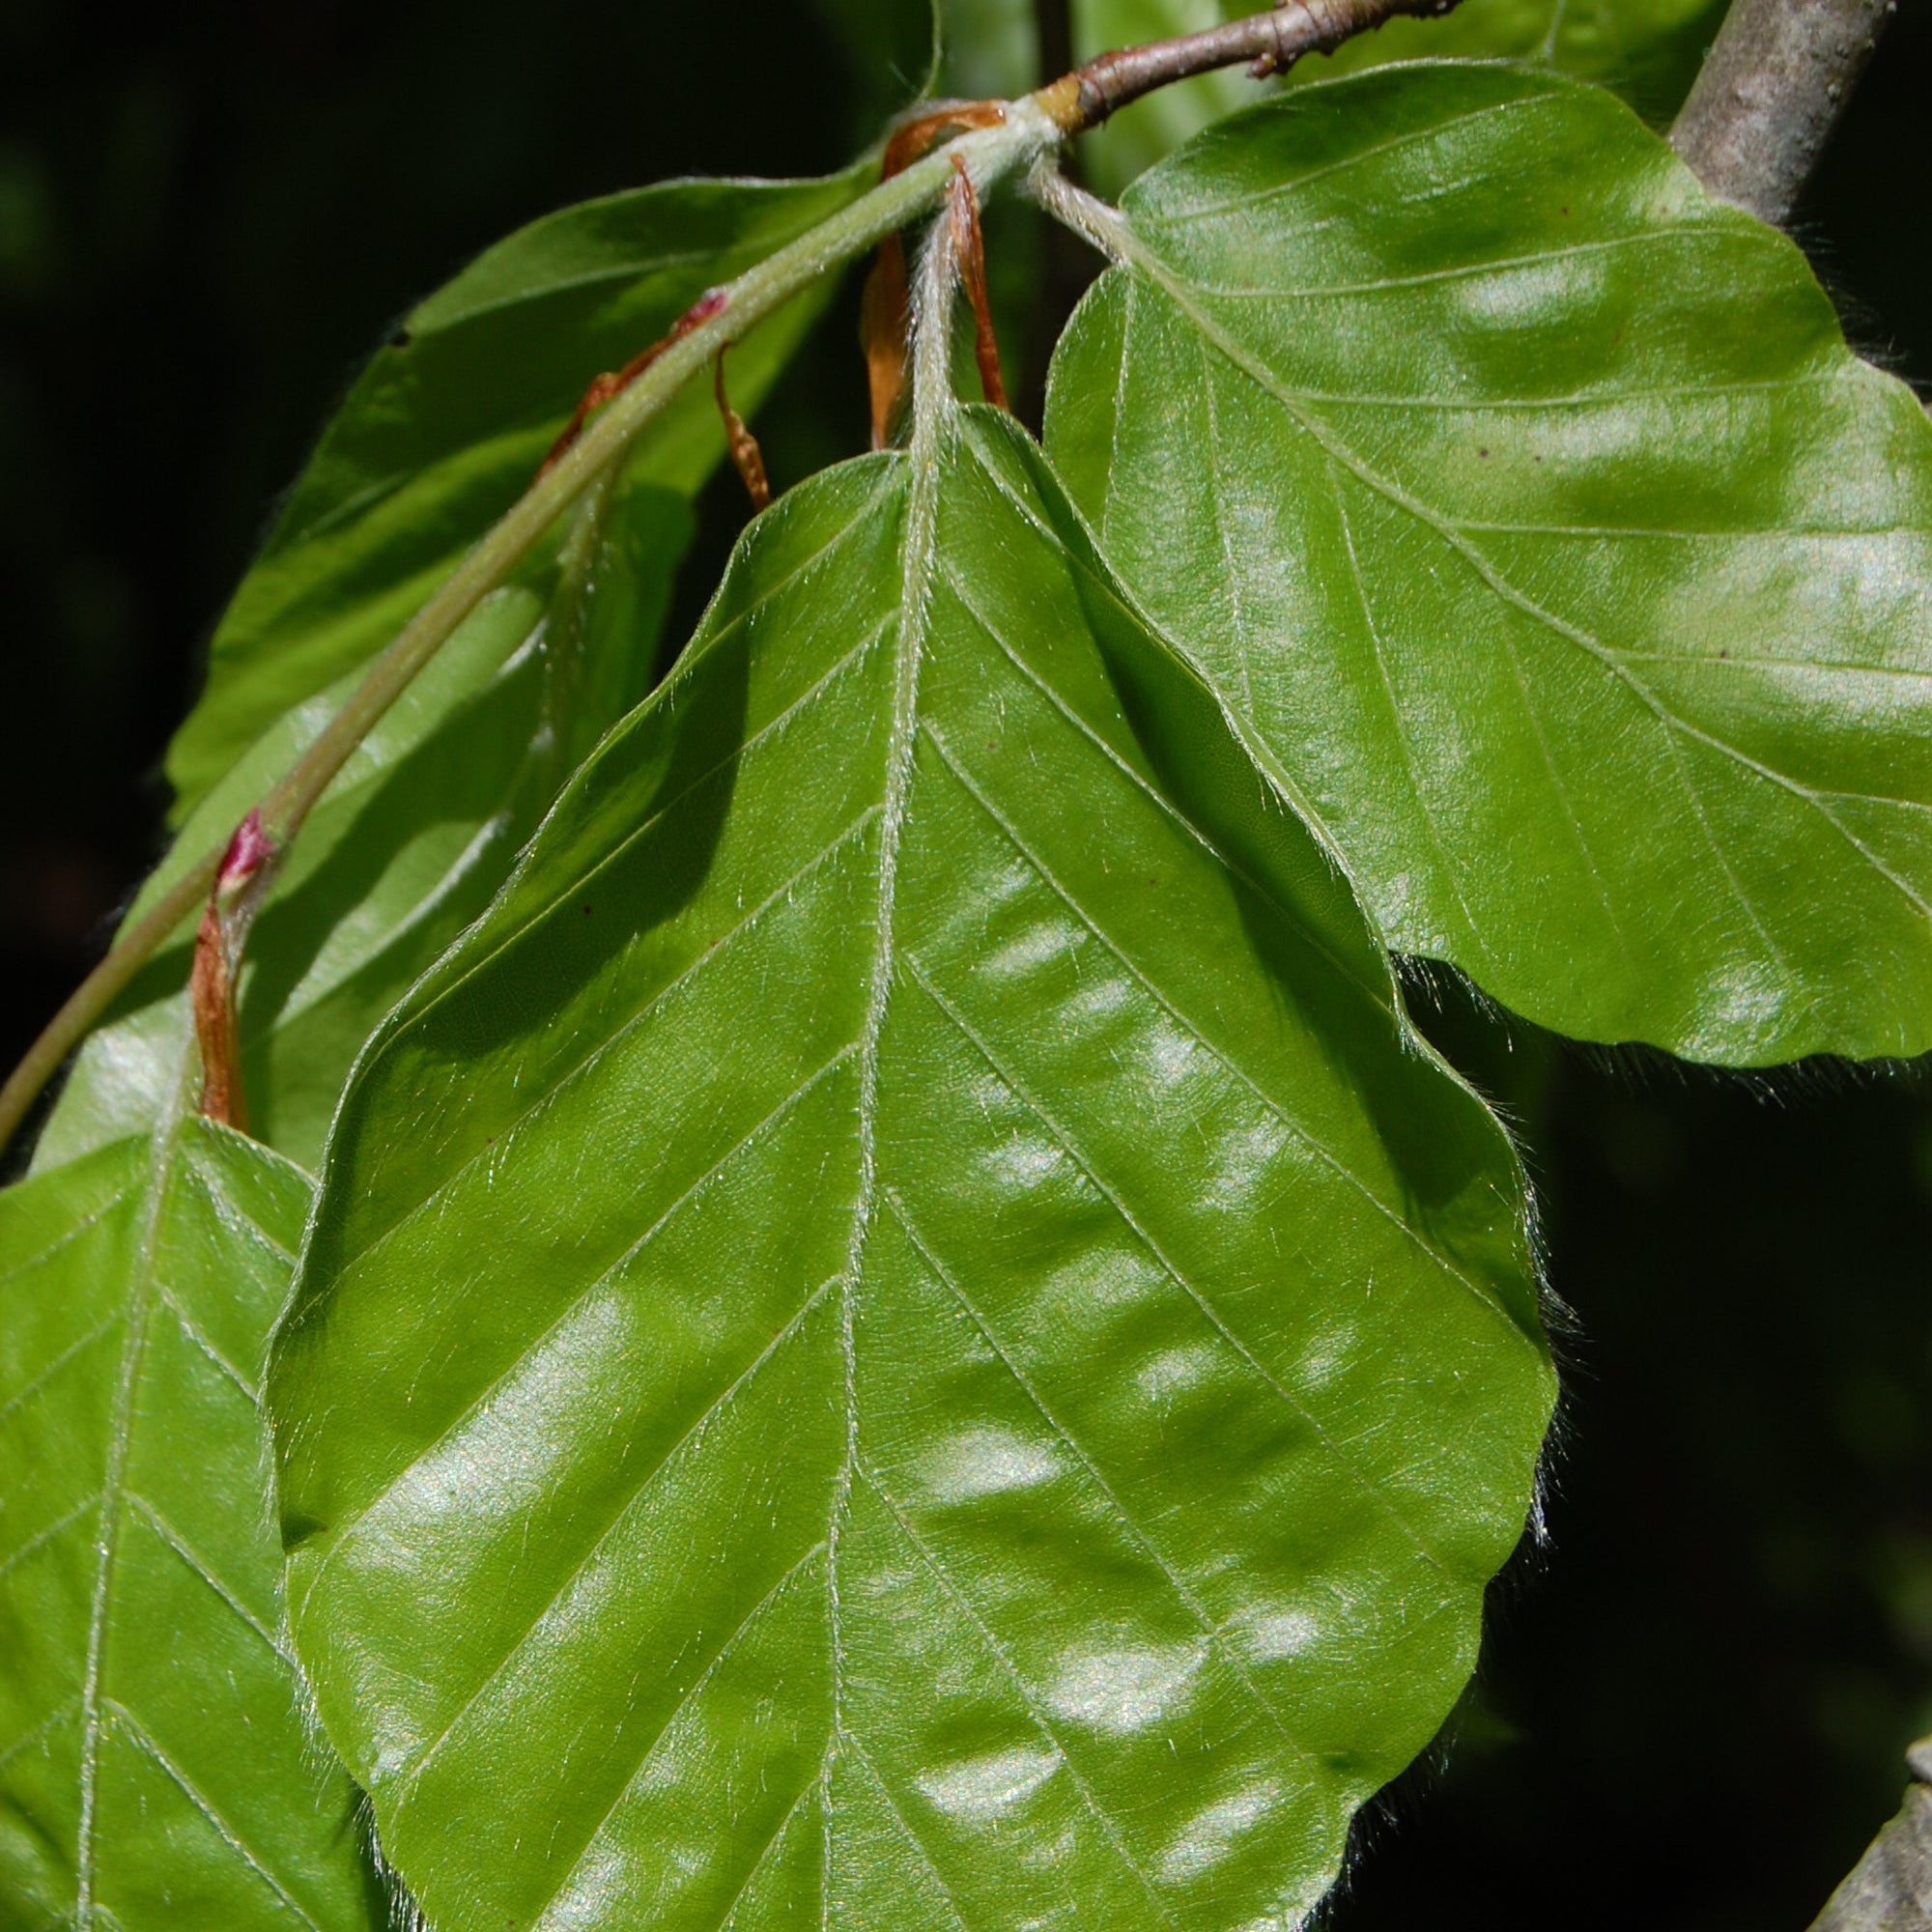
{"points": [[1891, 1888], [1776, 80]]}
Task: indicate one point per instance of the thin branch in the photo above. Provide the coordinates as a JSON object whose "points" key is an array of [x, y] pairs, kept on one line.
{"points": [[1266, 42], [1891, 1888], [1053, 37], [1778, 76], [851, 232]]}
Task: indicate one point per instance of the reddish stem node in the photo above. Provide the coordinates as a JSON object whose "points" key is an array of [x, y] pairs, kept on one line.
{"points": [[712, 302], [887, 311], [746, 454], [969, 248], [248, 868]]}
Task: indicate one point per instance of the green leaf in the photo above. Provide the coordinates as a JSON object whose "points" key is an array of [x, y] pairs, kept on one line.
{"points": [[154, 1770], [1531, 508], [448, 423], [903, 1334], [406, 847], [988, 49], [1647, 50]]}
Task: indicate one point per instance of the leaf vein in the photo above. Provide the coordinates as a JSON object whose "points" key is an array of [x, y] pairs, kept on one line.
{"points": [[1215, 1319], [1192, 1604], [1034, 1711], [691, 1435], [912, 1837], [477, 1403], [697, 1690], [202, 1803], [1276, 1111], [200, 1566], [591, 1059], [36, 1384]]}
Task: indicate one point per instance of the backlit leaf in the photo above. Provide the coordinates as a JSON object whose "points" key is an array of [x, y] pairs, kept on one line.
{"points": [[405, 848], [447, 427], [1140, 134], [154, 1770], [1647, 50], [902, 1335]]}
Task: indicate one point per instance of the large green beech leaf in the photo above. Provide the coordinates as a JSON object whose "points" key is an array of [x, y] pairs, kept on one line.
{"points": [[406, 847], [155, 1773], [1531, 508], [448, 423], [902, 1335]]}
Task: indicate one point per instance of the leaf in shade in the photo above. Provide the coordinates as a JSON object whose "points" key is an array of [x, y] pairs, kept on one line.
{"points": [[1530, 506], [903, 1334], [405, 848], [154, 1772], [448, 423]]}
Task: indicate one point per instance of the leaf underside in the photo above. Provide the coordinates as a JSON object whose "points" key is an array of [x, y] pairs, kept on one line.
{"points": [[153, 1771], [406, 847], [439, 436], [901, 1333], [448, 423], [1533, 510]]}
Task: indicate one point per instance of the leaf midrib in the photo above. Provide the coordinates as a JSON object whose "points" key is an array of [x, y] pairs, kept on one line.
{"points": [[935, 431], [1177, 290], [164, 1155]]}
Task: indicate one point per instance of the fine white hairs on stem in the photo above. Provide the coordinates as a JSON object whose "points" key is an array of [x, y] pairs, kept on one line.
{"points": [[1096, 222], [934, 287]]}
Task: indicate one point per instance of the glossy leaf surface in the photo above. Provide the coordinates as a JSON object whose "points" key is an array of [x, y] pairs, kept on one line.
{"points": [[1531, 506], [405, 848], [447, 425], [154, 1770], [903, 1336]]}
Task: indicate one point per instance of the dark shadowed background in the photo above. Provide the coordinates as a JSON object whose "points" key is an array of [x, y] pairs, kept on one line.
{"points": [[1694, 1701]]}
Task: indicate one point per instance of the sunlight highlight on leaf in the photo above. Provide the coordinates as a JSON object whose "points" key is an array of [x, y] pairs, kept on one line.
{"points": [[1532, 508], [777, 1420]]}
